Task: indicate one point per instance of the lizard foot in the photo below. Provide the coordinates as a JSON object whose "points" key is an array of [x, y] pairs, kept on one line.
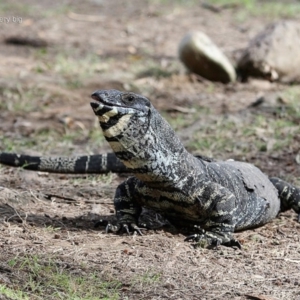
{"points": [[119, 228], [204, 240], [194, 237]]}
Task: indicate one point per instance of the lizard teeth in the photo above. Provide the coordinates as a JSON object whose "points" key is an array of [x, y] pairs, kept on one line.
{"points": [[100, 106]]}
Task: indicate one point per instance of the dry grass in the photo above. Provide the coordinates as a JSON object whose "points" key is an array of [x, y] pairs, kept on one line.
{"points": [[49, 246]]}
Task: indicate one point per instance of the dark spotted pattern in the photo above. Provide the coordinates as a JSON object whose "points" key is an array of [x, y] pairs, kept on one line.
{"points": [[220, 197], [216, 197]]}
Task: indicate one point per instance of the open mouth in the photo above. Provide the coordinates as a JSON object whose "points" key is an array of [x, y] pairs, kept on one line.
{"points": [[102, 106], [96, 104], [103, 109], [100, 102]]}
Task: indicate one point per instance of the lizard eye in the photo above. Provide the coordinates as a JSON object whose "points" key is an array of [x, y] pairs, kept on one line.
{"points": [[130, 98]]}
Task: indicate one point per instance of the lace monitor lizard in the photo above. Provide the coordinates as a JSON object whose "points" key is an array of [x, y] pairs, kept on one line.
{"points": [[219, 197]]}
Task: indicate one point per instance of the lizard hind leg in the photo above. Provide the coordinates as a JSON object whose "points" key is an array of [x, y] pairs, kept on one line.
{"points": [[289, 195]]}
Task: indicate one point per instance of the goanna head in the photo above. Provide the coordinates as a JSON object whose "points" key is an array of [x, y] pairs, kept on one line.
{"points": [[122, 115]]}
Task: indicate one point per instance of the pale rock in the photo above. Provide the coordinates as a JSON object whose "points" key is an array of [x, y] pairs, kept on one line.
{"points": [[201, 56], [273, 54]]}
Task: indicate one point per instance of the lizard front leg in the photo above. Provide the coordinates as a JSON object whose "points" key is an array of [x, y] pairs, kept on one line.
{"points": [[219, 206], [127, 210]]}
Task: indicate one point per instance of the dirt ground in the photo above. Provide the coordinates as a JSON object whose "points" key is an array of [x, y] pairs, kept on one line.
{"points": [[53, 56]]}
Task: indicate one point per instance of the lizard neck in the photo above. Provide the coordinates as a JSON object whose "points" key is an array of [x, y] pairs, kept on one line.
{"points": [[157, 156]]}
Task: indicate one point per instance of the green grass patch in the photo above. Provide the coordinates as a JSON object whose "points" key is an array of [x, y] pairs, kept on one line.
{"points": [[249, 136], [47, 278], [180, 2], [51, 141], [179, 121], [26, 99], [268, 9], [61, 9], [17, 100], [12, 293], [20, 9], [291, 96], [148, 277], [72, 67], [155, 69], [14, 145], [93, 180], [24, 10], [69, 66], [245, 8], [240, 136]]}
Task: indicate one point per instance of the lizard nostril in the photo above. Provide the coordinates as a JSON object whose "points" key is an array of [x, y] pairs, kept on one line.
{"points": [[96, 96]]}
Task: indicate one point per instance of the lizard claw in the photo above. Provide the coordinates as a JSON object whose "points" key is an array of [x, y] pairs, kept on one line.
{"points": [[197, 236], [125, 227], [194, 237], [215, 243], [136, 228], [233, 243], [203, 241], [210, 242], [101, 222], [119, 228], [110, 227]]}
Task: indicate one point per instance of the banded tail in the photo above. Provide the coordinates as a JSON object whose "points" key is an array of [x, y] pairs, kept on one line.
{"points": [[93, 164]]}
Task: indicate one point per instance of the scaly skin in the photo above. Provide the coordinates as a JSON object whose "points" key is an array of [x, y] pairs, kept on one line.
{"points": [[95, 164], [218, 197]]}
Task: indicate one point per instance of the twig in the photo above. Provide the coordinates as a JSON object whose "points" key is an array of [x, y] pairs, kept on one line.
{"points": [[287, 259], [34, 196], [85, 18], [71, 200], [49, 196], [17, 213]]}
